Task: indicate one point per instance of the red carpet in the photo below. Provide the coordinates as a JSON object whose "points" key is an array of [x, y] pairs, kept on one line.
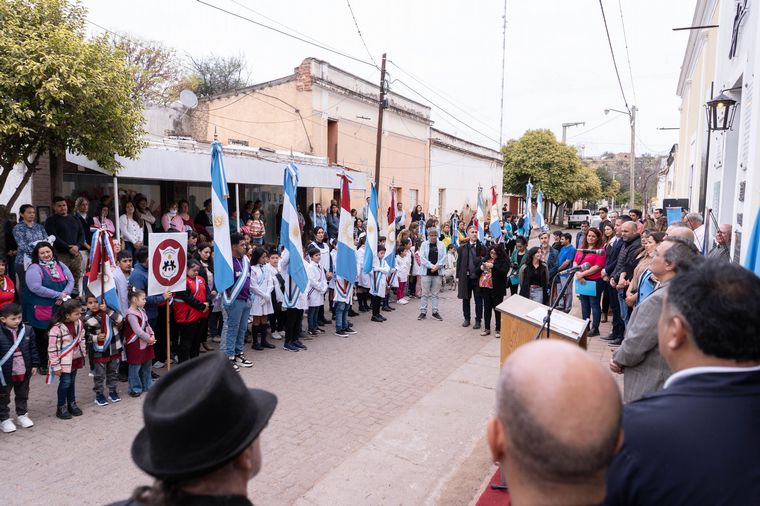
{"points": [[491, 497]]}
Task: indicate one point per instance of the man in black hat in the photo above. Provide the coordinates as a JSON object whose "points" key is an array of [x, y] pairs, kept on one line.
{"points": [[200, 471]]}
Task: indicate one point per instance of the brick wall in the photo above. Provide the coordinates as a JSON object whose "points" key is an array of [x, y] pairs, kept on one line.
{"points": [[303, 76]]}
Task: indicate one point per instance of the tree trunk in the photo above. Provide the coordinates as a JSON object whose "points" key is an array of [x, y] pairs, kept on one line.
{"points": [[57, 163]]}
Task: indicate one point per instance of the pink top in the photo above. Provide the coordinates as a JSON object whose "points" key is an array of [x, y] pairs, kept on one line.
{"points": [[593, 259], [172, 223]]}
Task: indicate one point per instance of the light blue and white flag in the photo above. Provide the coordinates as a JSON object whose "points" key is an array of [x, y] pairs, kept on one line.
{"points": [[345, 256], [290, 234], [224, 277], [495, 227], [752, 261], [540, 211], [528, 209], [455, 231], [480, 216], [370, 251]]}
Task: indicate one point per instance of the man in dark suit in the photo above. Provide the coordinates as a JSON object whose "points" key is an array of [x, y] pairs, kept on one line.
{"points": [[469, 258], [610, 261], [696, 441]]}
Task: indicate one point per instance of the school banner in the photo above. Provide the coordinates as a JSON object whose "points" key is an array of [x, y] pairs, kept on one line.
{"points": [[167, 263]]}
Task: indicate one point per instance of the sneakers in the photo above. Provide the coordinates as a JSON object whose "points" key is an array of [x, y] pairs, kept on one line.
{"points": [[243, 361], [422, 316], [101, 400], [298, 344], [289, 347], [62, 413], [403, 301], [138, 394], [7, 426], [350, 331], [277, 335], [158, 364], [341, 333], [485, 332], [377, 318], [25, 421], [113, 396], [497, 335], [74, 409], [216, 339], [232, 363], [436, 316]]}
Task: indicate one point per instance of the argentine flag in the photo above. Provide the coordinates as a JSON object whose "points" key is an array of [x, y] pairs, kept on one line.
{"points": [[370, 252], [455, 231], [540, 210], [480, 216], [390, 241], [528, 209], [495, 227], [223, 274], [290, 232], [101, 252], [345, 256]]}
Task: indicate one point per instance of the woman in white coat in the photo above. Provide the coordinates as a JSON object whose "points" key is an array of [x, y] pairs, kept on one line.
{"points": [[261, 286]]}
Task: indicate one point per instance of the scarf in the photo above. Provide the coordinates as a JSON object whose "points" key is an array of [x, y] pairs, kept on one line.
{"points": [[52, 270]]}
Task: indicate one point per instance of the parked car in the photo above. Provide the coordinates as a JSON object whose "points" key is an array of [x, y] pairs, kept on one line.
{"points": [[578, 216], [595, 220]]}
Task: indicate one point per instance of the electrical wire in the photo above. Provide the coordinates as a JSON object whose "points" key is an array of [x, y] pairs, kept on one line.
{"points": [[358, 30], [627, 54], [583, 132], [612, 52], [281, 32]]}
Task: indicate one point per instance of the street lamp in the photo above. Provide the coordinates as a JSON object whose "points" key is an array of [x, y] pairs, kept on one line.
{"points": [[720, 112], [631, 113]]}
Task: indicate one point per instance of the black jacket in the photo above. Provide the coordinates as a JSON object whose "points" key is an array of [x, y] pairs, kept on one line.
{"points": [[28, 350], [612, 253], [499, 276], [67, 230], [626, 261], [694, 442], [463, 258]]}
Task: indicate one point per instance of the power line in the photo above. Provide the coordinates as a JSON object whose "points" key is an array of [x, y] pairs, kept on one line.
{"points": [[612, 52], [447, 112], [358, 30], [627, 54], [439, 94], [584, 132], [503, 67], [281, 32]]}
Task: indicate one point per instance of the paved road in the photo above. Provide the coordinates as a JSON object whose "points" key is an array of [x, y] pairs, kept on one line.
{"points": [[400, 406]]}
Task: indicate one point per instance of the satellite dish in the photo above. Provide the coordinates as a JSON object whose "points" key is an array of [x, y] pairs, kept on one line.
{"points": [[188, 99]]}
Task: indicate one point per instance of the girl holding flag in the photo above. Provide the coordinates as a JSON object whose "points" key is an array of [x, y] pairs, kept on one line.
{"points": [[66, 352], [104, 339]]}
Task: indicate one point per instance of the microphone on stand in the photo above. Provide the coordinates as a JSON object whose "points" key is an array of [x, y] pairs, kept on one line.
{"points": [[593, 251], [581, 267]]}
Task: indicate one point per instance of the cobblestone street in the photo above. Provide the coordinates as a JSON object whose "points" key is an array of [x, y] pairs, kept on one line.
{"points": [[340, 403]]}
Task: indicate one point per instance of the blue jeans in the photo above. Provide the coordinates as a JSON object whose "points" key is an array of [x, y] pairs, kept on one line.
{"points": [[313, 318], [139, 377], [623, 305], [341, 316], [618, 325], [235, 325], [590, 306], [67, 388]]}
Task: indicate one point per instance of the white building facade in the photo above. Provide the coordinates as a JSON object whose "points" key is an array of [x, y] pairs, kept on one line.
{"points": [[457, 168]]}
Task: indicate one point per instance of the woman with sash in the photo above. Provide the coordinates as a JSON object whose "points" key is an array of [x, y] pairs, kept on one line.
{"points": [[48, 285]]}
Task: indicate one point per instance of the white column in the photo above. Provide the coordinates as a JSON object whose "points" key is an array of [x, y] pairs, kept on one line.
{"points": [[237, 204]]}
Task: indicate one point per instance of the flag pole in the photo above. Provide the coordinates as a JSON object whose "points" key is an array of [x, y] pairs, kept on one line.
{"points": [[102, 276], [168, 339]]}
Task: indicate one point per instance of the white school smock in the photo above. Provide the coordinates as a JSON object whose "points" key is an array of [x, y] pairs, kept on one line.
{"points": [[317, 285], [403, 266], [379, 272], [275, 282], [364, 280], [261, 286], [300, 302]]}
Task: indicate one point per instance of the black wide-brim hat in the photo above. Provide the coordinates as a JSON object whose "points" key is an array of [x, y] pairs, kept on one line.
{"points": [[198, 417]]}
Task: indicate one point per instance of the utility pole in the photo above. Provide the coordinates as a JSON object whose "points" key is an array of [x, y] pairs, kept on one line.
{"points": [[565, 126], [381, 107], [632, 190]]}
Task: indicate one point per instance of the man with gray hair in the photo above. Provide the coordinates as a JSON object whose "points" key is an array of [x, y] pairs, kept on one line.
{"points": [[722, 243], [432, 260], [638, 358], [697, 224], [549, 394]]}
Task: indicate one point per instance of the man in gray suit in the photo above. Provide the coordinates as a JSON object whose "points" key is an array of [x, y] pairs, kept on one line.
{"points": [[638, 358]]}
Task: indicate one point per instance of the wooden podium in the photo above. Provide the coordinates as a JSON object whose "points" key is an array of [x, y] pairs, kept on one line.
{"points": [[518, 326]]}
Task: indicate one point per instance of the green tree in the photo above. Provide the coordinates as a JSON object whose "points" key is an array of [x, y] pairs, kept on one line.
{"points": [[60, 91], [553, 167], [154, 68], [218, 74]]}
